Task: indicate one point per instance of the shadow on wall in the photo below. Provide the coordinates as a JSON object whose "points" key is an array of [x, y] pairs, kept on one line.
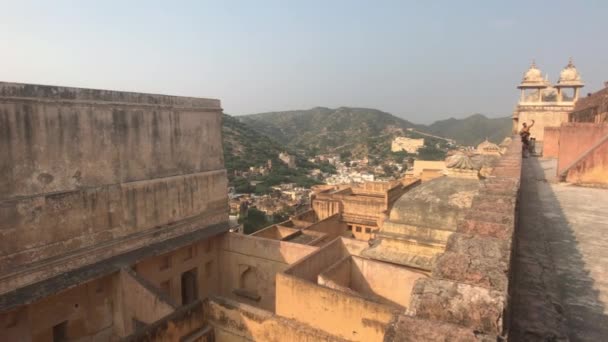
{"points": [[554, 292]]}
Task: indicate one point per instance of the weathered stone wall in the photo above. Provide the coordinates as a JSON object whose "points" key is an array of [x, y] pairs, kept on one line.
{"points": [[378, 281], [57, 139], [592, 167], [88, 310], [233, 321], [544, 116], [551, 143], [88, 174], [139, 302], [251, 263], [592, 109], [332, 226], [469, 286], [165, 271], [334, 312], [576, 139], [188, 323]]}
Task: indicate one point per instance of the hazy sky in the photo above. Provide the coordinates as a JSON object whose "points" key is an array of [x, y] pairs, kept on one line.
{"points": [[417, 60]]}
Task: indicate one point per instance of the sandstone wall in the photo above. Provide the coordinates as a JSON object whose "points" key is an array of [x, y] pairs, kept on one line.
{"points": [[88, 310], [251, 263], [544, 116], [88, 174], [332, 226], [592, 167], [188, 323], [551, 143], [576, 139], [235, 322], [592, 109], [469, 286], [331, 311], [165, 271]]}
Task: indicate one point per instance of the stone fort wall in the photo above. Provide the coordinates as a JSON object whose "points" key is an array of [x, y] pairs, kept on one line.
{"points": [[88, 174]]}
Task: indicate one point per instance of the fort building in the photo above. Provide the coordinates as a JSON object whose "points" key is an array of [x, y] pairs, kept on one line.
{"points": [[408, 145], [548, 105], [114, 222], [288, 159]]}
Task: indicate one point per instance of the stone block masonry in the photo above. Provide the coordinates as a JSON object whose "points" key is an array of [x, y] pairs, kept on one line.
{"points": [[469, 287], [97, 173]]}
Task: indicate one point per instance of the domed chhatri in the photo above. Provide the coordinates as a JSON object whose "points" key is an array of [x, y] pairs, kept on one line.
{"points": [[569, 77], [488, 147], [460, 161], [533, 78]]}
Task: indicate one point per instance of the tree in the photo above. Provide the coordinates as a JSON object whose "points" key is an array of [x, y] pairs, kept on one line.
{"points": [[254, 221]]}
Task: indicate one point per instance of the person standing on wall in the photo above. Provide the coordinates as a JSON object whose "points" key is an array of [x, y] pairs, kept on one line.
{"points": [[525, 138]]}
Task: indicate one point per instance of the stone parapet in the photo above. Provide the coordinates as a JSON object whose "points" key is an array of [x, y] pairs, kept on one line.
{"points": [[470, 281]]}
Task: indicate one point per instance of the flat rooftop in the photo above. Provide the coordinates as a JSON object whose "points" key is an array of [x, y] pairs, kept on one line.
{"points": [[561, 260]]}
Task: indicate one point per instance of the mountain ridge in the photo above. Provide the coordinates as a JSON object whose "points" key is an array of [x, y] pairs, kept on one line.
{"points": [[325, 129]]}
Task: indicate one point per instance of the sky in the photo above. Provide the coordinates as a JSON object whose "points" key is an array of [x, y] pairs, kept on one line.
{"points": [[420, 60]]}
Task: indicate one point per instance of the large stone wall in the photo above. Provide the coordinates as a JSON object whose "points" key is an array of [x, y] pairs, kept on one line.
{"points": [[165, 270], [551, 143], [592, 166], [576, 139], [593, 108], [469, 286], [87, 174], [88, 308], [251, 263], [543, 115], [236, 322]]}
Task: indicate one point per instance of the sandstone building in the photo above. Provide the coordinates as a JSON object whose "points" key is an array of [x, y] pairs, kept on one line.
{"points": [[288, 159], [408, 145], [114, 225], [581, 144], [548, 105]]}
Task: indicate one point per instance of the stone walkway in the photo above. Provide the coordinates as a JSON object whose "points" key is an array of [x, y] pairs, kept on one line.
{"points": [[560, 285]]}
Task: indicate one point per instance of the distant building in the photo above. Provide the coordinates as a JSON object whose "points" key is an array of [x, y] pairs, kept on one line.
{"points": [[488, 147], [406, 144], [288, 159], [428, 169]]}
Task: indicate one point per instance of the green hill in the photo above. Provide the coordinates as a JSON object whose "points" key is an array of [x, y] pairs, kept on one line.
{"points": [[363, 131], [245, 147], [473, 129], [323, 130]]}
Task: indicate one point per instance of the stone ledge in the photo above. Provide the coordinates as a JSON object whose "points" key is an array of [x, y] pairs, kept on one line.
{"points": [[471, 306], [410, 329], [488, 229], [490, 273], [45, 288], [470, 280], [84, 95]]}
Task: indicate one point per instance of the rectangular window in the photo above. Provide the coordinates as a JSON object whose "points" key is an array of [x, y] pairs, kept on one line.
{"points": [[207, 246], [358, 229], [165, 262], [189, 253], [99, 287], [350, 228], [209, 269], [60, 332], [368, 230], [165, 286]]}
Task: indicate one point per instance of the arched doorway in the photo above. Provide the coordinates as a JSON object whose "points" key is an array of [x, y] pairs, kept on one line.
{"points": [[189, 287]]}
